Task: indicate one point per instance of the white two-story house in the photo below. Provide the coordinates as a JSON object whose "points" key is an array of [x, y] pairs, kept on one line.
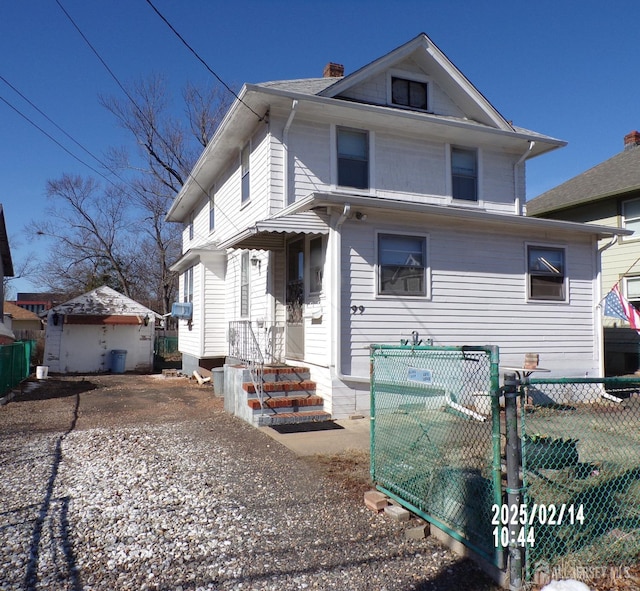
{"points": [[332, 213]]}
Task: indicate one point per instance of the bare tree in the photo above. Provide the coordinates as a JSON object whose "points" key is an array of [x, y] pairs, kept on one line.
{"points": [[168, 149], [92, 239]]}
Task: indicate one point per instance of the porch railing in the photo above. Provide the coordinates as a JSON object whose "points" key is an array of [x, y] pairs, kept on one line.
{"points": [[250, 340]]}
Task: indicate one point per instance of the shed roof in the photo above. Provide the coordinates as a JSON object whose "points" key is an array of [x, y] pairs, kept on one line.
{"points": [[103, 301]]}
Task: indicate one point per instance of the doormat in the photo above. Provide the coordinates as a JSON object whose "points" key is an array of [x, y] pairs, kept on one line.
{"points": [[306, 427]]}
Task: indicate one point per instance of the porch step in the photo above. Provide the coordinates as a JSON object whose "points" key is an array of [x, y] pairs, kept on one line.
{"points": [[292, 402], [292, 418], [281, 387]]}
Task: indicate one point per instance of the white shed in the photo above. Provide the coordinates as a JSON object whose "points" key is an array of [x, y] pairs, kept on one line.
{"points": [[92, 332]]}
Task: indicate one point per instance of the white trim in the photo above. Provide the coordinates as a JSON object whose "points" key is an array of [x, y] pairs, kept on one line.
{"points": [[636, 235], [427, 266], [566, 284]]}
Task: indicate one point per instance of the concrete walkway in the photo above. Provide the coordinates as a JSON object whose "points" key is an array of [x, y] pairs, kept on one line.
{"points": [[345, 434]]}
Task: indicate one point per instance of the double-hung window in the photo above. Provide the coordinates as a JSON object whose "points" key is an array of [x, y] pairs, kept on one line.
{"points": [[409, 93], [631, 217], [187, 286], [353, 158], [402, 268], [546, 271], [464, 174], [245, 169], [245, 284]]}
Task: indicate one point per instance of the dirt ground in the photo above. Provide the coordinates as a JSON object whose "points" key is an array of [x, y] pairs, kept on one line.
{"points": [[114, 399]]}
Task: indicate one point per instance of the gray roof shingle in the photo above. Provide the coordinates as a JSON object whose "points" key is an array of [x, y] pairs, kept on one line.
{"points": [[303, 86], [620, 174]]}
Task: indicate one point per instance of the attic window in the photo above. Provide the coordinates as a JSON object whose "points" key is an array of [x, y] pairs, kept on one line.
{"points": [[409, 93]]}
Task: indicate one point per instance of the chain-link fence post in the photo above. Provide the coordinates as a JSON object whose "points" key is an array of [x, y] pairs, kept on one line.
{"points": [[514, 483]]}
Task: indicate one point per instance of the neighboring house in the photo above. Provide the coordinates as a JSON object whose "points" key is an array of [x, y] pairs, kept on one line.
{"points": [[608, 193], [37, 302], [6, 270], [329, 214], [19, 320], [82, 334]]}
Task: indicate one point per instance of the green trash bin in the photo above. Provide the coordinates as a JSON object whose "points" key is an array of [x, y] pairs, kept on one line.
{"points": [[118, 360]]}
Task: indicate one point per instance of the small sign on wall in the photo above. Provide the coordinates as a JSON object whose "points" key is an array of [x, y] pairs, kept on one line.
{"points": [[422, 376]]}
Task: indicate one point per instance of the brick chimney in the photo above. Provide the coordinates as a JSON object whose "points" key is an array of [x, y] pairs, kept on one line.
{"points": [[332, 70], [631, 140]]}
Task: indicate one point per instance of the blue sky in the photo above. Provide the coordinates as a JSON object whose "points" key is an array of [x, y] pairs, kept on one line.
{"points": [[566, 68]]}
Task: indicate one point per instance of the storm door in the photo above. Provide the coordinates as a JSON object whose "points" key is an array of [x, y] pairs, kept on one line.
{"points": [[295, 300]]}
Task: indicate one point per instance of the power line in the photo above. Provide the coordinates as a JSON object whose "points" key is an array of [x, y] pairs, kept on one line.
{"points": [[201, 60], [54, 140], [140, 111]]}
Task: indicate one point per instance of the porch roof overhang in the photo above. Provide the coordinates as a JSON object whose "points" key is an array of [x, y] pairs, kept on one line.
{"points": [[195, 255], [270, 234], [366, 203]]}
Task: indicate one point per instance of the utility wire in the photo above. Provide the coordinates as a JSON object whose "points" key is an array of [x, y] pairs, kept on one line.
{"points": [[140, 111], [54, 140], [201, 60]]}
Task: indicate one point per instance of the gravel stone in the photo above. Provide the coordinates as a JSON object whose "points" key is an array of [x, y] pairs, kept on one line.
{"points": [[108, 485]]}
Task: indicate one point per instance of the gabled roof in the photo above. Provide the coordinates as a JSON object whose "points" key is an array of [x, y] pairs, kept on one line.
{"points": [[431, 59], [18, 313], [616, 176], [328, 97], [102, 301]]}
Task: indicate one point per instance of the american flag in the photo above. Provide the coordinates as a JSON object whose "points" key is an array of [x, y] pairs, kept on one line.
{"points": [[616, 306]]}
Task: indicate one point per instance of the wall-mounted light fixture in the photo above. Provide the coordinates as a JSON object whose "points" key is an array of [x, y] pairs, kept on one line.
{"points": [[56, 318], [145, 320]]}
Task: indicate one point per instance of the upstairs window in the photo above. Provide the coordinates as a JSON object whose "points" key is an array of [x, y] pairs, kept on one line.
{"points": [[631, 218], [190, 225], [402, 266], [409, 93], [546, 269], [464, 174], [244, 165], [353, 158], [187, 286]]}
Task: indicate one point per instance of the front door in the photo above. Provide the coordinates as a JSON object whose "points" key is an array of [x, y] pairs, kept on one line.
{"points": [[295, 300]]}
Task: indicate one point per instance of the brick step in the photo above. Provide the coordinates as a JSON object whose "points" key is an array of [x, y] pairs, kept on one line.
{"points": [[287, 402], [292, 418], [285, 374], [273, 387]]}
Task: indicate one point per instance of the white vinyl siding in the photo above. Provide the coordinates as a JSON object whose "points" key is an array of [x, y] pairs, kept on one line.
{"points": [[478, 296]]}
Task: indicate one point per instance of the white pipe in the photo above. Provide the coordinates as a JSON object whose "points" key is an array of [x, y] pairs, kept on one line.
{"points": [[518, 200], [285, 151], [337, 294]]}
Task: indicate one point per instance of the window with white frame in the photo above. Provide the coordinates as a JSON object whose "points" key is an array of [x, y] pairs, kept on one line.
{"points": [[546, 273], [464, 174], [402, 268], [190, 225], [245, 169], [187, 285], [409, 93], [353, 158], [632, 290], [631, 218], [245, 284], [316, 264]]}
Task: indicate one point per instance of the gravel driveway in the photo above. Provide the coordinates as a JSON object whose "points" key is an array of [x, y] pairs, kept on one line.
{"points": [[135, 482]]}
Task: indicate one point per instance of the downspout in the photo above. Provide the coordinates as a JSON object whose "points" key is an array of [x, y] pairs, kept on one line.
{"points": [[518, 200], [600, 327], [285, 151], [337, 293]]}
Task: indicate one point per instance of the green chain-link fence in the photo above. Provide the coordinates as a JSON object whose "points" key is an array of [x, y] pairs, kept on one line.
{"points": [[581, 474], [435, 436], [15, 364], [164, 345]]}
